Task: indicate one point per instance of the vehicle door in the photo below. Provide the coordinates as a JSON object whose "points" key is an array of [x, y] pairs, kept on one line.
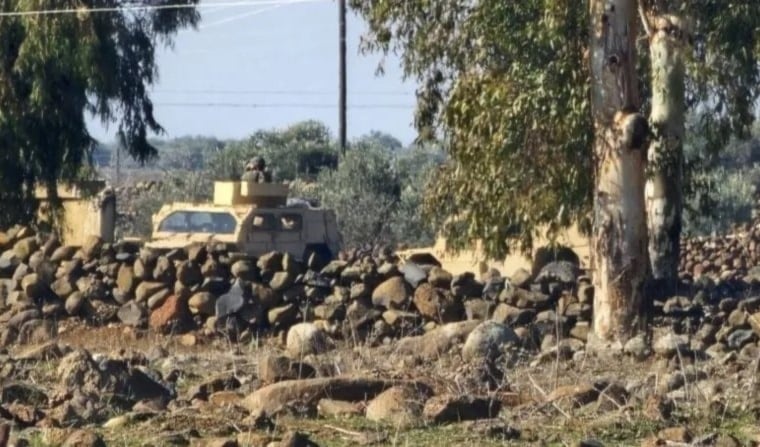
{"points": [[288, 238], [259, 238]]}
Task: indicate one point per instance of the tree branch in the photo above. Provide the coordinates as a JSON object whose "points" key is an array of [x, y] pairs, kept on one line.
{"points": [[644, 20]]}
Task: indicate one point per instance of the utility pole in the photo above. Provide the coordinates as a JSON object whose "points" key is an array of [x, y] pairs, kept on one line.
{"points": [[342, 69]]}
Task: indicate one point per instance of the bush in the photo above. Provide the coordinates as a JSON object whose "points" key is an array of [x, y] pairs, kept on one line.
{"points": [[377, 196], [725, 198], [176, 187]]}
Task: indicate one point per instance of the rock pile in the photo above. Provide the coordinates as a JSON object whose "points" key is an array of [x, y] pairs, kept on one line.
{"points": [[360, 297]]}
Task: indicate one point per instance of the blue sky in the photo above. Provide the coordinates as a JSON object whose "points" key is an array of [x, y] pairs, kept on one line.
{"points": [[273, 56]]}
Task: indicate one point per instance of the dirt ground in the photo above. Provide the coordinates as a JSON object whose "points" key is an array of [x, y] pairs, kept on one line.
{"points": [[544, 399]]}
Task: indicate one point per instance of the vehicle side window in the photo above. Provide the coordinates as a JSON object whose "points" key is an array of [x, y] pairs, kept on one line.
{"points": [[198, 222], [263, 222], [291, 222], [175, 222]]}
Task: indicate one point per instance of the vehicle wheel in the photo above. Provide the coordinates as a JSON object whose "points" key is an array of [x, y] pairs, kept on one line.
{"points": [[316, 257]]}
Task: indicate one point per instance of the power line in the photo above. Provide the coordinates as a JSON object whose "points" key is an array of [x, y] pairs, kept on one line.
{"points": [[153, 7], [240, 16], [282, 92], [240, 105]]}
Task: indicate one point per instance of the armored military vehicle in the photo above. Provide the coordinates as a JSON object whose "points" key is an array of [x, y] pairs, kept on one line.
{"points": [[251, 219]]}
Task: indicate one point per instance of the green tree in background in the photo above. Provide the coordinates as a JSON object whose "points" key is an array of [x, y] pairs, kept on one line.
{"points": [[300, 150], [505, 86], [376, 192], [54, 69]]}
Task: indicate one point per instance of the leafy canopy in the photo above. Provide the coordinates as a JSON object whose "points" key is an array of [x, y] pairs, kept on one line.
{"points": [[300, 150], [55, 68], [506, 85], [506, 82]]}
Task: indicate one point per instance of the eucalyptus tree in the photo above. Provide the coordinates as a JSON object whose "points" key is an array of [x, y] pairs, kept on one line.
{"points": [[704, 59], [539, 103], [530, 98], [56, 67], [620, 260]]}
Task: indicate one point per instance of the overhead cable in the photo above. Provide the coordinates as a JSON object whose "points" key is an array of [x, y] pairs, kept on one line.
{"points": [[153, 7]]}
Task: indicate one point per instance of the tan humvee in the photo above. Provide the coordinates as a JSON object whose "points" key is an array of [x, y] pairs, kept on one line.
{"points": [[251, 219]]}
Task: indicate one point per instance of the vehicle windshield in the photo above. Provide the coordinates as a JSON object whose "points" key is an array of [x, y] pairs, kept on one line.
{"points": [[198, 222]]}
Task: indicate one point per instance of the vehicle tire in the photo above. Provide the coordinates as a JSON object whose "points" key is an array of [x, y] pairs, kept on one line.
{"points": [[316, 257]]}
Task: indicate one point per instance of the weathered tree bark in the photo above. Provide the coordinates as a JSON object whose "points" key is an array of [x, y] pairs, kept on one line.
{"points": [[619, 238], [664, 195]]}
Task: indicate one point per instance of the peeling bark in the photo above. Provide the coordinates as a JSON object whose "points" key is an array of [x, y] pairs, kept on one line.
{"points": [[664, 195], [620, 260]]}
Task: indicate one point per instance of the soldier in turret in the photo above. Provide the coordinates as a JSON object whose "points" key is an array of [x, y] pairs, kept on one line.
{"points": [[256, 171]]}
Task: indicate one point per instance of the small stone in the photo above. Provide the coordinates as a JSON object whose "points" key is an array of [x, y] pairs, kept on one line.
{"points": [[333, 408], [202, 303], [281, 281], [400, 405], [84, 438], [439, 277], [488, 340], [445, 408], [520, 278], [270, 262], [231, 302], [172, 313], [669, 344], [146, 289], [125, 280], [189, 274], [276, 368], [637, 347], [305, 339], [675, 434], [413, 274], [394, 293], [283, 315], [74, 303], [188, 340], [738, 338], [133, 314]]}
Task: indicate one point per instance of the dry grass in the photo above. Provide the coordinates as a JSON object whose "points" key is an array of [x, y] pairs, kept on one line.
{"points": [[524, 390]]}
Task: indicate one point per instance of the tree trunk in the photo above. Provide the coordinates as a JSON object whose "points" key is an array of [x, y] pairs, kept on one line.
{"points": [[664, 196], [619, 238]]}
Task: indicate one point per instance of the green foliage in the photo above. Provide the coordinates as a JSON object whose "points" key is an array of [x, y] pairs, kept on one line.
{"points": [[377, 190], [298, 151], [726, 198], [377, 193], [507, 83], [176, 187], [723, 187], [53, 69]]}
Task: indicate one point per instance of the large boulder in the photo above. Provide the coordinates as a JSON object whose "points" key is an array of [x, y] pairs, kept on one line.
{"points": [[400, 405], [545, 255], [488, 340], [172, 314], [437, 305], [305, 339], [393, 293], [273, 398], [436, 342]]}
